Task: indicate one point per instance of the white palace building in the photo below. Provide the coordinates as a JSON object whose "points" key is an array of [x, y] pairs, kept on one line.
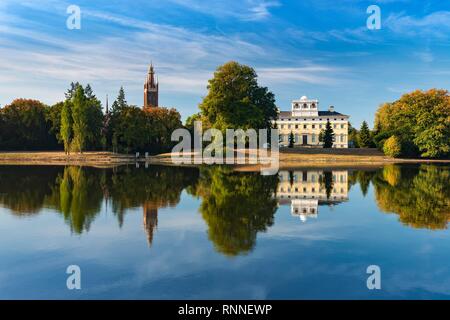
{"points": [[306, 122]]}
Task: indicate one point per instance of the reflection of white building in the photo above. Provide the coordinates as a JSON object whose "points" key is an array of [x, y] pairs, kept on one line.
{"points": [[305, 190]]}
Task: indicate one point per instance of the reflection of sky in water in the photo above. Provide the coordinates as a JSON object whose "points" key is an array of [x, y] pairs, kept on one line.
{"points": [[321, 258]]}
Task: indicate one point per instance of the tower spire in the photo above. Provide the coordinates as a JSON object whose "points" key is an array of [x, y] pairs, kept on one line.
{"points": [[107, 108], [150, 89]]}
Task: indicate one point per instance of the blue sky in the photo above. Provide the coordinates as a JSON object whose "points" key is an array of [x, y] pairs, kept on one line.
{"points": [[318, 48]]}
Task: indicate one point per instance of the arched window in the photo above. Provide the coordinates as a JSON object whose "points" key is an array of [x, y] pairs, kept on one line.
{"points": [[313, 105], [305, 106]]}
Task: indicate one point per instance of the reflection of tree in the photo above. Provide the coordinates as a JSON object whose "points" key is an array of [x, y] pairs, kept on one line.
{"points": [[78, 192], [364, 178], [235, 206], [327, 182], [23, 189], [420, 196], [155, 186], [80, 197]]}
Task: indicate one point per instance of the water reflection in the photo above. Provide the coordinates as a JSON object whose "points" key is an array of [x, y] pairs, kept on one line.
{"points": [[305, 190], [235, 206], [421, 197]]}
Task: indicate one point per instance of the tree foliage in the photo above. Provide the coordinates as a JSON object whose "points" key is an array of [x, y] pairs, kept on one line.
{"points": [[24, 126], [81, 119], [421, 120], [392, 147], [291, 140], [235, 100], [328, 135], [364, 138]]}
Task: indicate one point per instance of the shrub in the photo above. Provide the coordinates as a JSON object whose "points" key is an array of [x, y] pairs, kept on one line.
{"points": [[392, 147]]}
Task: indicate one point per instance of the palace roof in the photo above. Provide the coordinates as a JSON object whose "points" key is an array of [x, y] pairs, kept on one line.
{"points": [[288, 114]]}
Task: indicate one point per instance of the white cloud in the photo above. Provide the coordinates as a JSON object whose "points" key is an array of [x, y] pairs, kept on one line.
{"points": [[246, 10], [436, 25], [315, 74]]}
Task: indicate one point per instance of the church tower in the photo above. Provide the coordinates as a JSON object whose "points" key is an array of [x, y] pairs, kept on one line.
{"points": [[151, 88]]}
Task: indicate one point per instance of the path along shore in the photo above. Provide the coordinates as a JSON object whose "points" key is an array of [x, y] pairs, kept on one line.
{"points": [[288, 158]]}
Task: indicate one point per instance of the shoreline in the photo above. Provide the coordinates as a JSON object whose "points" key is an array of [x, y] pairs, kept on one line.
{"points": [[294, 158]]}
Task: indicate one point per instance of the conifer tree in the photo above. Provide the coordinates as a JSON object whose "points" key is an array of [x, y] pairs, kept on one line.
{"points": [[291, 140], [328, 135], [365, 139]]}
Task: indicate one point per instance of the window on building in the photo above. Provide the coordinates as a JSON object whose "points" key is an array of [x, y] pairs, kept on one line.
{"points": [[320, 126], [296, 126], [313, 105], [305, 106], [289, 126], [313, 126], [305, 126], [342, 126], [313, 138], [334, 126]]}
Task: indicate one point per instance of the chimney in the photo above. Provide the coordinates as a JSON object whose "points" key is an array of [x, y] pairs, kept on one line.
{"points": [[331, 109]]}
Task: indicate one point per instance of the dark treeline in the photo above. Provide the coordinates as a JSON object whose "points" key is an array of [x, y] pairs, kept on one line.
{"points": [[79, 123]]}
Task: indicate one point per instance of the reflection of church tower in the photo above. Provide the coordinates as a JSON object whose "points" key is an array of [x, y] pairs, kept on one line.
{"points": [[150, 220], [151, 89]]}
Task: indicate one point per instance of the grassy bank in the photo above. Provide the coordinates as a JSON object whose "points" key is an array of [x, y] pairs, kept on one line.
{"points": [[288, 158]]}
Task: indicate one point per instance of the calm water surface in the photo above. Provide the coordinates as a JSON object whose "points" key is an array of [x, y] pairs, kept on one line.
{"points": [[174, 233]]}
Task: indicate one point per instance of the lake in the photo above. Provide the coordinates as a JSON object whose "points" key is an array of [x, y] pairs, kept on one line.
{"points": [[212, 233]]}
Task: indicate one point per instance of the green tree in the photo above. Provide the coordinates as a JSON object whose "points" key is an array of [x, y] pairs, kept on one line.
{"points": [[120, 103], [118, 106], [66, 125], [71, 91], [80, 119], [130, 129], [53, 117], [160, 123], [25, 127], [420, 119], [235, 100], [365, 139], [291, 140], [328, 136], [353, 136], [392, 147]]}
